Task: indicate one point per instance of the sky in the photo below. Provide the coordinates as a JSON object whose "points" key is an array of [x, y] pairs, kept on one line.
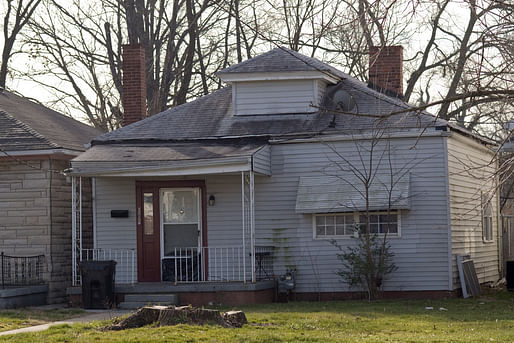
{"points": [[457, 18]]}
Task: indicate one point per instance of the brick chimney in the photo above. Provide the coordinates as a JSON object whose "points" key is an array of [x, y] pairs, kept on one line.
{"points": [[134, 83], [386, 69]]}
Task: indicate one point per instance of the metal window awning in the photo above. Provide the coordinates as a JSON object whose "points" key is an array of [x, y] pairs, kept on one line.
{"points": [[346, 193], [171, 159]]}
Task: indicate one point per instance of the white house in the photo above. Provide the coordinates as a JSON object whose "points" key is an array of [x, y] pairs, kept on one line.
{"points": [[220, 194]]}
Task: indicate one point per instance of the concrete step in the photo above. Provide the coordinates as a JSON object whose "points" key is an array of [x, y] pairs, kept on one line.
{"points": [[152, 298], [133, 301], [132, 305]]}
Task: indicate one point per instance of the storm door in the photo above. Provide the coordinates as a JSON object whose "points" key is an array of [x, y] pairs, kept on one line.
{"points": [[181, 231]]}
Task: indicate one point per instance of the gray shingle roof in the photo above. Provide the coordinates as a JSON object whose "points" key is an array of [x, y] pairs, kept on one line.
{"points": [[281, 59], [211, 117], [167, 152], [26, 125], [132, 158]]}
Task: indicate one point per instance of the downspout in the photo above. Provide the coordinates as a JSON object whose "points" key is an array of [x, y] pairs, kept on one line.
{"points": [[448, 213], [243, 222], [252, 221], [499, 225], [93, 205]]}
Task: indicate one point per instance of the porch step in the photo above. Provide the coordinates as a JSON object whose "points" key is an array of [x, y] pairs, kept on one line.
{"points": [[163, 298], [133, 301]]}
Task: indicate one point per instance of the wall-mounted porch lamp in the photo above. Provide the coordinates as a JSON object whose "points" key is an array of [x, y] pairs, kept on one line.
{"points": [[212, 200]]}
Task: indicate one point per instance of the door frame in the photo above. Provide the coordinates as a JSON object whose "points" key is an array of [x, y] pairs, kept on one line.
{"points": [[200, 184]]}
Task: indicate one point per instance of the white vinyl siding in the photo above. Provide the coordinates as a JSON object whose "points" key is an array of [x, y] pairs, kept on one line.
{"points": [[274, 97], [472, 177], [116, 233], [421, 253]]}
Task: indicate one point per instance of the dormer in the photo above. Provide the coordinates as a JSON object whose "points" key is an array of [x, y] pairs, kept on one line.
{"points": [[280, 81]]}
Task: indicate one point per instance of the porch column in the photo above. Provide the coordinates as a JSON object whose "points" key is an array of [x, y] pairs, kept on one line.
{"points": [[73, 233], [76, 227], [243, 208], [252, 222]]}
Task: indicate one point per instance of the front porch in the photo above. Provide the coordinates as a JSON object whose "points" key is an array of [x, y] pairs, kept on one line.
{"points": [[173, 242], [155, 213], [196, 294]]}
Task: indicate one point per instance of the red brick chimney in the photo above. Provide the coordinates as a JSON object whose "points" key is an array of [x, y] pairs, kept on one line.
{"points": [[386, 69], [134, 83]]}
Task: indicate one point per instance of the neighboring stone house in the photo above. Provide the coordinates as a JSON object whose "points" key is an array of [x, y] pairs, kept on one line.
{"points": [[36, 145]]}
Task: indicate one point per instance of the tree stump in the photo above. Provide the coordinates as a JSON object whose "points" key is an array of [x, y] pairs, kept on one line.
{"points": [[143, 316], [171, 315], [190, 315], [235, 318]]}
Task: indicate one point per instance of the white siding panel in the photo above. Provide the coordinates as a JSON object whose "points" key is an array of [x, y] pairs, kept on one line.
{"points": [[471, 176], [262, 160], [266, 97], [116, 233], [421, 253]]}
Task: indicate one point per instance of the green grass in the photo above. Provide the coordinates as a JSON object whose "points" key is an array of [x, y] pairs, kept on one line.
{"points": [[19, 318], [488, 319]]}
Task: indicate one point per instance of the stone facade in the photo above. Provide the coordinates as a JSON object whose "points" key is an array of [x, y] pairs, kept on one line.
{"points": [[35, 217]]}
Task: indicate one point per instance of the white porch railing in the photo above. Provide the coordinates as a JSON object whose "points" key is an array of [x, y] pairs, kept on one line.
{"points": [[211, 264], [216, 264], [191, 265], [126, 269]]}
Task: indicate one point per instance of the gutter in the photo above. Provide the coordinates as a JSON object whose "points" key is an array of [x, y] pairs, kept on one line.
{"points": [[41, 152]]}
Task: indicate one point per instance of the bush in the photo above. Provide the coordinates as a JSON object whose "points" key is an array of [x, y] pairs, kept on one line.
{"points": [[366, 264]]}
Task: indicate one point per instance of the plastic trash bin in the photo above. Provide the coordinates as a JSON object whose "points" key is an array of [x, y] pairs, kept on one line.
{"points": [[98, 284]]}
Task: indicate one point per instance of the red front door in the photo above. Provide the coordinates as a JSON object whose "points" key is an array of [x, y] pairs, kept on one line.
{"points": [[148, 234]]}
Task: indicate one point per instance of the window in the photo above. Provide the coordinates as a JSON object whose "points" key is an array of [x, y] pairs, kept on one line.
{"points": [[346, 224], [487, 220]]}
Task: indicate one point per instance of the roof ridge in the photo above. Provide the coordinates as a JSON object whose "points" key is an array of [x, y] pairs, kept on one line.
{"points": [[245, 62], [311, 62], [29, 129]]}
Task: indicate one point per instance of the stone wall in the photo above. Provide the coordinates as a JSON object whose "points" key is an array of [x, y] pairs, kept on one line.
{"points": [[35, 217]]}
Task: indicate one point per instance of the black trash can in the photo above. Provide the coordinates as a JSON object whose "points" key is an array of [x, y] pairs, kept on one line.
{"points": [[98, 284]]}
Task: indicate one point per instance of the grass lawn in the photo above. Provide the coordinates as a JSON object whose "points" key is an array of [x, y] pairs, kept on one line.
{"points": [[19, 318], [488, 319]]}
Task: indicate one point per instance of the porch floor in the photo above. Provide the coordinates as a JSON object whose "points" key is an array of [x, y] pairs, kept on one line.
{"points": [[170, 287], [204, 293]]}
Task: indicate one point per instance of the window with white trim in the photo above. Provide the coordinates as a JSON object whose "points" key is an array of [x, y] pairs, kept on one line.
{"points": [[487, 220], [336, 225]]}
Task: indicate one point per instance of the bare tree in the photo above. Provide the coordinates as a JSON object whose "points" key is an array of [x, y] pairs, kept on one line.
{"points": [[376, 167], [16, 16], [76, 49], [79, 48]]}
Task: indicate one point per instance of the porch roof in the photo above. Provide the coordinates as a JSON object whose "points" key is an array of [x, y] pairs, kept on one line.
{"points": [[171, 159]]}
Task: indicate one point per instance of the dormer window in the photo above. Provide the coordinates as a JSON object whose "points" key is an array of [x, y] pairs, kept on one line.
{"points": [[278, 82]]}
